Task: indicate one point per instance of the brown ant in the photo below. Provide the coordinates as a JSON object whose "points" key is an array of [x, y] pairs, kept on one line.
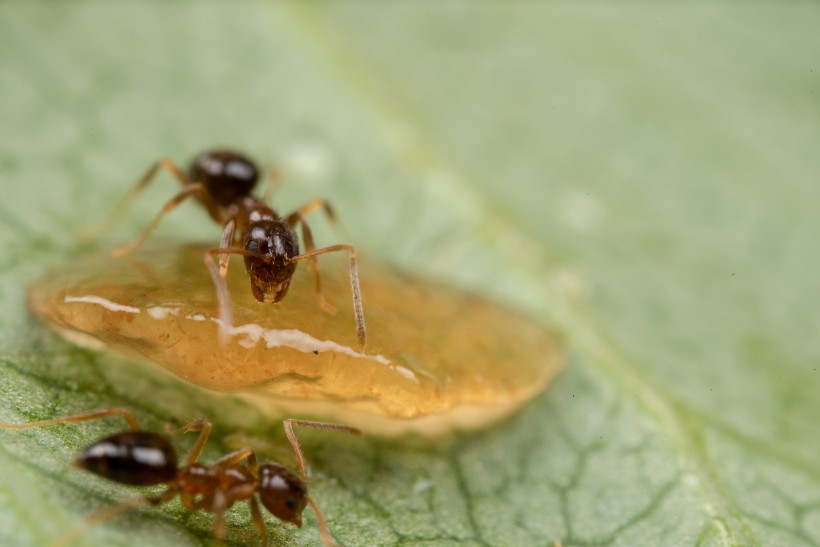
{"points": [[142, 458], [222, 181]]}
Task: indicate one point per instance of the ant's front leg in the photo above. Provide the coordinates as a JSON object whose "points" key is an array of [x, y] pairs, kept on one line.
{"points": [[358, 312], [225, 243], [218, 274]]}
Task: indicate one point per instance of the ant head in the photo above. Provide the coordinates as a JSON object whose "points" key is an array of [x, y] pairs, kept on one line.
{"points": [[282, 492], [270, 276], [138, 458], [227, 175]]}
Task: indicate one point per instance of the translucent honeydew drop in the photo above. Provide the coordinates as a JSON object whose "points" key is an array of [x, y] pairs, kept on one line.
{"points": [[437, 357]]}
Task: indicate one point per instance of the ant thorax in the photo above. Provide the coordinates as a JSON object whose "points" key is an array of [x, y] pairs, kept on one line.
{"points": [[203, 481]]}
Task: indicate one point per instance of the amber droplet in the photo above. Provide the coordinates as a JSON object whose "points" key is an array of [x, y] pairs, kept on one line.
{"points": [[437, 357]]}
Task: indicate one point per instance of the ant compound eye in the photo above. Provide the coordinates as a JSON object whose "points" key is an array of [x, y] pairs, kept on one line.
{"points": [[291, 502]]}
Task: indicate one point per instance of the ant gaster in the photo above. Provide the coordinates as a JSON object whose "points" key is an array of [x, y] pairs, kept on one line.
{"points": [[222, 182], [143, 458]]}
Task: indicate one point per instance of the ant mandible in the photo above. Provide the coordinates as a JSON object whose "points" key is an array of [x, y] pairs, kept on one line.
{"points": [[222, 181], [142, 458]]}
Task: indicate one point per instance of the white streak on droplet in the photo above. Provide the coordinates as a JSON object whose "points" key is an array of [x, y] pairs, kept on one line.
{"points": [[407, 373], [295, 339], [107, 304], [160, 312]]}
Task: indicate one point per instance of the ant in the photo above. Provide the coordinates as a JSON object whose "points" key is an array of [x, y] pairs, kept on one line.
{"points": [[222, 181], [142, 458]]}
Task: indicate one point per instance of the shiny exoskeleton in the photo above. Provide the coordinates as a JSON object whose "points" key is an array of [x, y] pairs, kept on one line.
{"points": [[143, 458], [223, 181]]}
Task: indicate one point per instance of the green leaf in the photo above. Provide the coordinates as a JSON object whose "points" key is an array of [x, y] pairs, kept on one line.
{"points": [[644, 177]]}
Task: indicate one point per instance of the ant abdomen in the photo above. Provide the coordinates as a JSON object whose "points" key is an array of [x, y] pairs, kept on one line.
{"points": [[282, 492], [227, 175], [136, 458], [277, 242]]}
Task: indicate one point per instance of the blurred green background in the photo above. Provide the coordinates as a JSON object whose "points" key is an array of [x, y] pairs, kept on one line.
{"points": [[644, 177]]}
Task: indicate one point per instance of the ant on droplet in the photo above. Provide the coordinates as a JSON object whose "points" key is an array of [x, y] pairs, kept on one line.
{"points": [[222, 182], [142, 458]]}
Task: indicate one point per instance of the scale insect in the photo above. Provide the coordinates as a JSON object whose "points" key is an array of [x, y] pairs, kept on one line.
{"points": [[136, 457], [222, 181]]}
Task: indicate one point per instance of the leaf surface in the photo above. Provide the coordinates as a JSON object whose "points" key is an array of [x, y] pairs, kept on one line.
{"points": [[642, 177]]}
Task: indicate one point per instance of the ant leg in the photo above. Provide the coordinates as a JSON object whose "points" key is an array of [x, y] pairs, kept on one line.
{"points": [[319, 203], [225, 243], [246, 454], [358, 312], [173, 203], [258, 521], [222, 296], [87, 416], [107, 513], [314, 205], [204, 427], [138, 188], [219, 524], [307, 237], [294, 442]]}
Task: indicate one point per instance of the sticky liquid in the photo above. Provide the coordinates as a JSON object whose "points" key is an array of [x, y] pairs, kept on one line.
{"points": [[437, 357]]}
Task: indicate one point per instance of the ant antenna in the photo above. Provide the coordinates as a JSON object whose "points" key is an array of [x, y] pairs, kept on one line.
{"points": [[327, 539]]}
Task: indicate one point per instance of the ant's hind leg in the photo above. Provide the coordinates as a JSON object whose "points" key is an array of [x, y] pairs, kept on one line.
{"points": [[107, 513], [88, 416], [358, 312], [119, 210], [307, 237], [173, 203]]}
